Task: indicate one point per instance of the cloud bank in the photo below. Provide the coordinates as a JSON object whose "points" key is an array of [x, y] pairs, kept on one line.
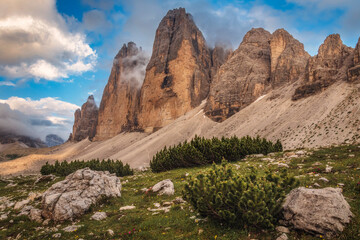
{"points": [[36, 118], [35, 42]]}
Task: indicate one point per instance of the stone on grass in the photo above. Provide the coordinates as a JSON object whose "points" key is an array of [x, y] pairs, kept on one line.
{"points": [[317, 211], [72, 228], [35, 215], [21, 204], [72, 197], [282, 229], [323, 179], [300, 152], [328, 169], [110, 232], [179, 200], [3, 216], [127, 208], [98, 216], [56, 235], [44, 178], [165, 187], [282, 237]]}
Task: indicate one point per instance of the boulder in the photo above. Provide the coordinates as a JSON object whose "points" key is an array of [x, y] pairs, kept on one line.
{"points": [[72, 197], [44, 178], [165, 187], [317, 211], [98, 216]]}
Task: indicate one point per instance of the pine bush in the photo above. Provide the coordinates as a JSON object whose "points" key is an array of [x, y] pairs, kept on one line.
{"points": [[240, 201], [65, 168], [201, 151]]}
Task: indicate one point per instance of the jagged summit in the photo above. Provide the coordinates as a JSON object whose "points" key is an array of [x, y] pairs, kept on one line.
{"points": [[85, 121]]}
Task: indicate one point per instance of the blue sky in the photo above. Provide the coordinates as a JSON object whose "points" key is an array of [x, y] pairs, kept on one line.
{"points": [[62, 50]]}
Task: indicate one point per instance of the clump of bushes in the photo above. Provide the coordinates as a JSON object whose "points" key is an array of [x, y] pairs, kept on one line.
{"points": [[201, 151], [241, 201], [65, 168]]}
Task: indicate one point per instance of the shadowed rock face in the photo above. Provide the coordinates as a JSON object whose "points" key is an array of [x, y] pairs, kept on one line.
{"points": [[178, 74], [85, 120], [288, 58], [243, 78], [219, 55], [354, 71], [120, 101], [330, 65]]}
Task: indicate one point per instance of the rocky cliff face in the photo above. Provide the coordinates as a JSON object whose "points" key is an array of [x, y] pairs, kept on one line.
{"points": [[219, 55], [243, 78], [120, 101], [85, 121], [329, 65], [288, 58], [178, 74], [354, 71]]}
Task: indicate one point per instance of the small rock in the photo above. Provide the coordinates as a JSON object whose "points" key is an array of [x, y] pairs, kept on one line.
{"points": [[256, 155], [157, 205], [35, 215], [317, 164], [200, 231], [271, 154], [11, 185], [282, 237], [282, 229], [56, 235], [179, 200], [46, 222], [44, 178], [289, 154], [317, 185], [165, 187], [21, 204], [155, 213], [72, 228], [192, 217], [323, 179], [300, 153], [11, 221], [3, 217], [110, 232], [351, 155], [341, 184], [98, 216], [127, 208], [186, 174], [267, 159], [33, 196], [328, 169], [25, 210], [166, 204]]}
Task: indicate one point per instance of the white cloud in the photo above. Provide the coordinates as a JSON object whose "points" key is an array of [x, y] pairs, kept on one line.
{"points": [[36, 118], [35, 42], [7, 83]]}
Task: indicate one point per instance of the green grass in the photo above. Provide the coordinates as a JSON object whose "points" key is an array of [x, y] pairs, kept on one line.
{"points": [[177, 224]]}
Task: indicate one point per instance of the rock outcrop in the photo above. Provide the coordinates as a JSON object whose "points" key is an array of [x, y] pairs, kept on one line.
{"points": [[354, 71], [288, 58], [318, 211], [178, 74], [52, 140], [85, 121], [72, 197], [328, 66], [120, 101], [243, 78], [262, 62], [219, 55]]}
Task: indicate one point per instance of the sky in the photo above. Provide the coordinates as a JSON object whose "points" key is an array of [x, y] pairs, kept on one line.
{"points": [[55, 53]]}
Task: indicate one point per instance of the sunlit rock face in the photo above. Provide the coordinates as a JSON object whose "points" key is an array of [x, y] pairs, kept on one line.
{"points": [[178, 74], [85, 121], [331, 64], [120, 101]]}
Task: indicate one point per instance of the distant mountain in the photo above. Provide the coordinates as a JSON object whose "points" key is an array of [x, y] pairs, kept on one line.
{"points": [[53, 140], [6, 138]]}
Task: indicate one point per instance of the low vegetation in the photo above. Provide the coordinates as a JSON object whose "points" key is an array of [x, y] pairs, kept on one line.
{"points": [[239, 200], [200, 151], [65, 168]]}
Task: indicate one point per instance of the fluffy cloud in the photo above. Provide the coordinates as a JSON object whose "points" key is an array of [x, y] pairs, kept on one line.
{"points": [[35, 42], [36, 118]]}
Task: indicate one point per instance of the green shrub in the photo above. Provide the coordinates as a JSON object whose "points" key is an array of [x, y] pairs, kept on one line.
{"points": [[241, 201], [201, 151], [65, 168]]}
